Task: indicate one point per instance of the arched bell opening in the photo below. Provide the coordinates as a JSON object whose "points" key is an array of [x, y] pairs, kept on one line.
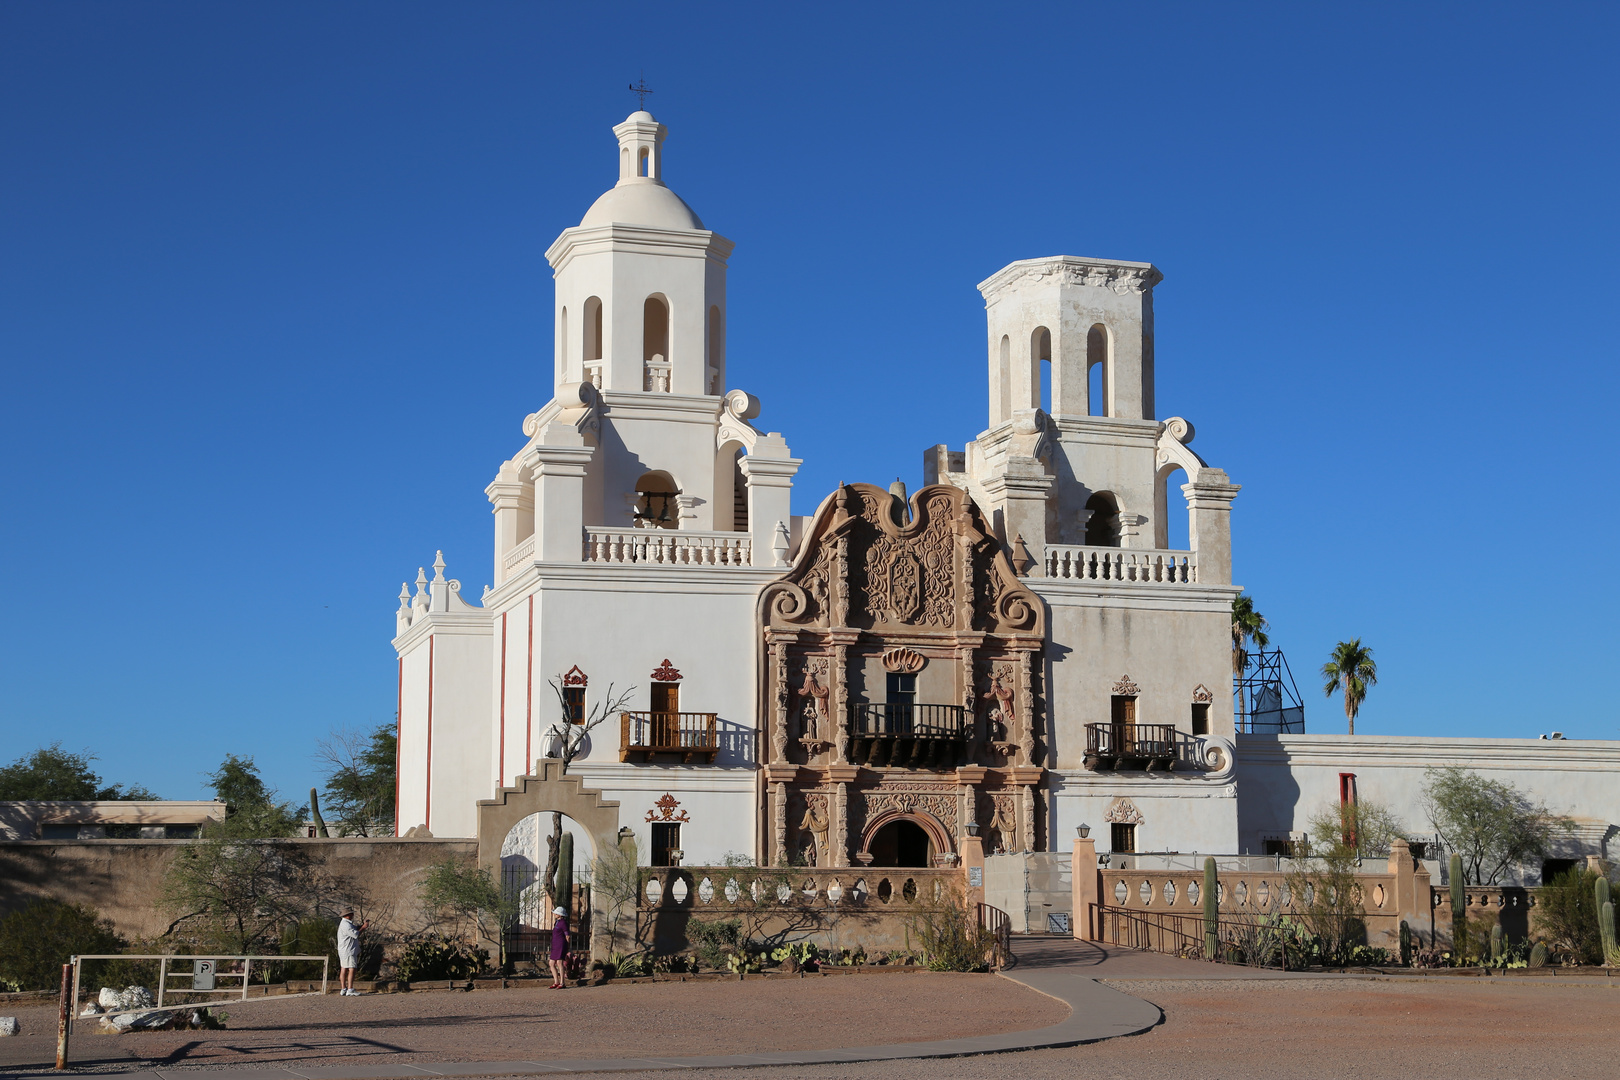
{"points": [[1102, 526], [655, 501]]}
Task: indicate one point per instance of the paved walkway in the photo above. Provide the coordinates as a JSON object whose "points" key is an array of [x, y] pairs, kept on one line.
{"points": [[1062, 969]]}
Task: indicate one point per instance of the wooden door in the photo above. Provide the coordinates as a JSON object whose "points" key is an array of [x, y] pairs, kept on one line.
{"points": [[1122, 721], [666, 708]]}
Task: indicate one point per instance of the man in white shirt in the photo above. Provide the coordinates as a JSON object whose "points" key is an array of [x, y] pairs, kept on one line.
{"points": [[348, 943]]}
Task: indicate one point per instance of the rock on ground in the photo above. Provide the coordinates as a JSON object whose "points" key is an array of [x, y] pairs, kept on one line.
{"points": [[9, 1026]]}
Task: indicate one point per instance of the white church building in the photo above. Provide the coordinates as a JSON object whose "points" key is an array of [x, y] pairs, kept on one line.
{"points": [[1013, 649]]}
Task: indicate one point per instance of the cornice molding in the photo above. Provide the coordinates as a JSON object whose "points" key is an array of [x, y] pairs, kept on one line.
{"points": [[1116, 275]]}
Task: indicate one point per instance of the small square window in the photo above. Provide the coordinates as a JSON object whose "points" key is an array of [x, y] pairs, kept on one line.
{"points": [[1122, 837], [902, 688], [574, 704]]}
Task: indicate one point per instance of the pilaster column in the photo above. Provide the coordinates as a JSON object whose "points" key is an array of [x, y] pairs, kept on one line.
{"points": [[779, 811], [558, 465], [1018, 494], [841, 776], [1084, 883], [838, 678], [513, 503], [769, 468], [1209, 501]]}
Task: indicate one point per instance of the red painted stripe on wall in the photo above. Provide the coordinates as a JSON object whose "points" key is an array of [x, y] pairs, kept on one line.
{"points": [[427, 813], [399, 729], [528, 702], [500, 769]]}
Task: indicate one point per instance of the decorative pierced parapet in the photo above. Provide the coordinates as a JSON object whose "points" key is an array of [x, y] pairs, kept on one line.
{"points": [[730, 889], [667, 547], [519, 555], [1121, 566]]}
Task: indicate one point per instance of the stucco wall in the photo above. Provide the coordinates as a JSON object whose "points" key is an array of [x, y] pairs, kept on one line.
{"points": [[123, 879], [1285, 779]]}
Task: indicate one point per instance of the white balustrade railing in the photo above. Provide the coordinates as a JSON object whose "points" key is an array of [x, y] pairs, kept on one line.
{"points": [[668, 547], [1124, 566], [519, 555]]}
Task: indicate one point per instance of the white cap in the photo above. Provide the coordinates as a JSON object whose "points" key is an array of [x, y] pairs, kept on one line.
{"points": [[560, 911]]}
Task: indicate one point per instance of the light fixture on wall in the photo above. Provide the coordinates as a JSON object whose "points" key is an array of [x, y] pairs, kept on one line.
{"points": [[1084, 831]]}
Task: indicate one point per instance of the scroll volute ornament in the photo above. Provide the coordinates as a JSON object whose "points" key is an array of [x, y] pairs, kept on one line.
{"points": [[983, 585], [904, 661]]}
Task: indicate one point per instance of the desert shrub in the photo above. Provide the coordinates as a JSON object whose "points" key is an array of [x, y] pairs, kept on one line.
{"points": [[312, 937], [36, 941], [437, 958], [715, 943], [952, 940], [1566, 916]]}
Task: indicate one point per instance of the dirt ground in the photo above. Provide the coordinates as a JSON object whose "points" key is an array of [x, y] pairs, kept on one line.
{"points": [[1260, 1029], [629, 1020], [1309, 1029]]}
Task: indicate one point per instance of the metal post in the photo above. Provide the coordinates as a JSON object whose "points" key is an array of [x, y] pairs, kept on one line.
{"points": [[326, 963], [63, 1013], [247, 974], [163, 979], [73, 1008]]}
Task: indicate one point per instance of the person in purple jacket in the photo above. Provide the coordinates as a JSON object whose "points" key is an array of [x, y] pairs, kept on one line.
{"points": [[559, 950]]}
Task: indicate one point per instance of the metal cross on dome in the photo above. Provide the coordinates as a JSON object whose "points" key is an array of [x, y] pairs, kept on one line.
{"points": [[641, 89]]}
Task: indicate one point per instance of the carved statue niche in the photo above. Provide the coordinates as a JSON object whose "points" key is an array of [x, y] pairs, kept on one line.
{"points": [[1003, 715], [817, 823], [816, 726]]}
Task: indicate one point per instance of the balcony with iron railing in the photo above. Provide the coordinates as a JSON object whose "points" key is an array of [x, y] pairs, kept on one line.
{"points": [[1128, 746], [668, 736], [907, 736]]}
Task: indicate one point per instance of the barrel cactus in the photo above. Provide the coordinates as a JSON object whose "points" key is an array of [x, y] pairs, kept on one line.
{"points": [[1538, 955], [1211, 898]]}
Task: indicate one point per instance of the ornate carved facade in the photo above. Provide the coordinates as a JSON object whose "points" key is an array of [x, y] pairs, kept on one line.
{"points": [[900, 660]]}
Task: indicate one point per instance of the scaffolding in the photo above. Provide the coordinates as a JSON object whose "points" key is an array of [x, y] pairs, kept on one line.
{"points": [[1265, 700]]}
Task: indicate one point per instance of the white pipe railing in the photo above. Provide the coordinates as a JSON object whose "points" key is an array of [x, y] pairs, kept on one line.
{"points": [[1124, 566], [668, 547]]}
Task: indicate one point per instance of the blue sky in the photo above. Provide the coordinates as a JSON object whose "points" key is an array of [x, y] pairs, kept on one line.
{"points": [[273, 304]]}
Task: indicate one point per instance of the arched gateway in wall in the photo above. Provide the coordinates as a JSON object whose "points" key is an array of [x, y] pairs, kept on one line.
{"points": [[548, 791]]}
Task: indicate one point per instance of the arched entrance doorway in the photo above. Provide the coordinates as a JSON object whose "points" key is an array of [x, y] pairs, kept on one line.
{"points": [[525, 855], [902, 843]]}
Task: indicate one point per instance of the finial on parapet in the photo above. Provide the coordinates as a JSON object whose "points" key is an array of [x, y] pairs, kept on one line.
{"points": [[438, 567], [421, 599], [404, 597], [780, 543], [1022, 560]]}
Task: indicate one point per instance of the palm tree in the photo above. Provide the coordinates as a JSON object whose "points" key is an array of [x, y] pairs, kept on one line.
{"points": [[1247, 625], [1351, 666]]}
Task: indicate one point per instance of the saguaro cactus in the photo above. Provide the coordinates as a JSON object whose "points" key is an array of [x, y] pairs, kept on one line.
{"points": [[1406, 944], [1459, 912], [1498, 942], [1211, 898], [1611, 954], [562, 884], [315, 813]]}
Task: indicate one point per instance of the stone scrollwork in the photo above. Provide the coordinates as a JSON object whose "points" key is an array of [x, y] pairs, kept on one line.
{"points": [[1201, 695], [1122, 811], [1125, 688], [904, 660]]}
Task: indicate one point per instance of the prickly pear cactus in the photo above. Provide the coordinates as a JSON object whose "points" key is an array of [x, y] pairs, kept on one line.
{"points": [[1211, 898]]}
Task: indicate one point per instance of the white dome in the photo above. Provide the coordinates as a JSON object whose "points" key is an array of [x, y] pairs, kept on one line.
{"points": [[640, 201]]}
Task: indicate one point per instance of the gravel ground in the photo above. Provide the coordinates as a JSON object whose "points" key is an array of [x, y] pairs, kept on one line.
{"points": [[609, 1021], [1309, 1029]]}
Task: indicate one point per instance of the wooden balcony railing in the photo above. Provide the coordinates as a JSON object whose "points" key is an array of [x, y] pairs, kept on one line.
{"points": [[651, 736], [913, 736], [1131, 746]]}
